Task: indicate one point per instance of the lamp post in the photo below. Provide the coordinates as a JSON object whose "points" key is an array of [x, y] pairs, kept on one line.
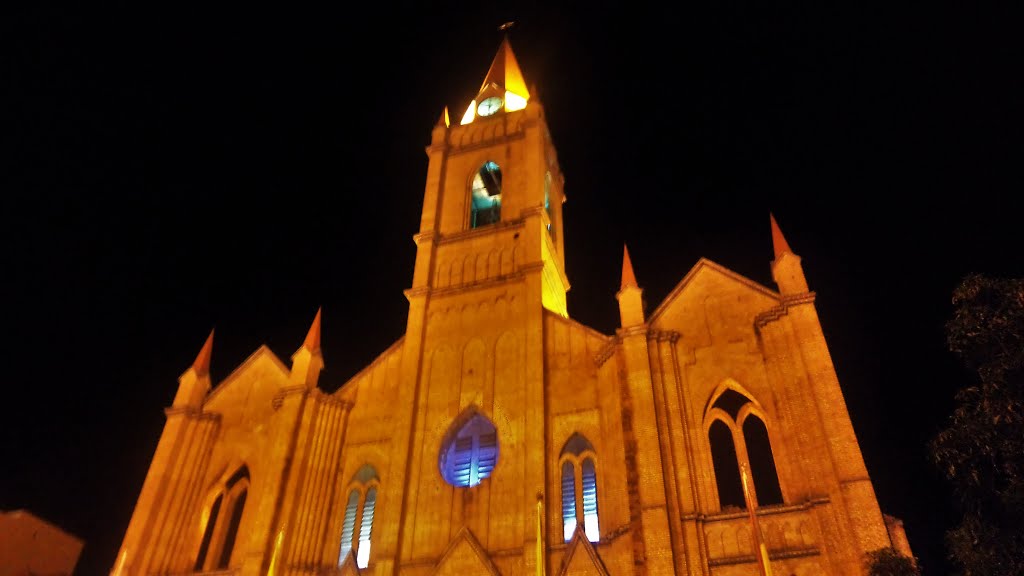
{"points": [[760, 550]]}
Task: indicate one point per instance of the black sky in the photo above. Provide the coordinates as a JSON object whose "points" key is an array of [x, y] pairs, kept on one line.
{"points": [[177, 167]]}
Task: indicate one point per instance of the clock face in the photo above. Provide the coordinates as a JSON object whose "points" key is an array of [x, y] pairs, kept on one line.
{"points": [[489, 106]]}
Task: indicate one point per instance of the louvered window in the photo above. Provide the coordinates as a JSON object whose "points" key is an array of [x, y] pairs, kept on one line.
{"points": [[365, 529], [578, 463], [590, 501], [348, 526], [472, 455], [568, 500]]}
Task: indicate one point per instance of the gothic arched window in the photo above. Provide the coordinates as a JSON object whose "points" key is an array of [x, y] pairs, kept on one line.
{"points": [[357, 524], [725, 461], [579, 500], [486, 196], [762, 463], [223, 522], [469, 451], [739, 436]]}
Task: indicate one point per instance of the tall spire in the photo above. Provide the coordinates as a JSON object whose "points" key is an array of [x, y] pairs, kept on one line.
{"points": [[786, 268], [201, 366], [505, 73], [628, 278], [195, 382], [630, 295], [308, 361], [312, 342], [778, 240]]}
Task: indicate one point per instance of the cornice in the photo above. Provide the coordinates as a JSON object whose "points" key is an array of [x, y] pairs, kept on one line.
{"points": [[424, 237], [481, 231]]}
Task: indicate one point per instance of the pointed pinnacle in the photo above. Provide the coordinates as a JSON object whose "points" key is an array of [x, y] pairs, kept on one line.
{"points": [[202, 364], [312, 342], [779, 243], [628, 278]]}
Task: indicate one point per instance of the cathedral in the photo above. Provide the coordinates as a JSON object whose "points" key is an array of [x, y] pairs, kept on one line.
{"points": [[498, 436]]}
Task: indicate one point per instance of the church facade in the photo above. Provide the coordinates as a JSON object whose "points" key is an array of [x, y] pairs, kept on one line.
{"points": [[499, 436]]}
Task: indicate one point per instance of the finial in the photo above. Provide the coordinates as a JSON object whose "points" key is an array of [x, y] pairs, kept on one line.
{"points": [[628, 279], [202, 364], [505, 27], [779, 243]]}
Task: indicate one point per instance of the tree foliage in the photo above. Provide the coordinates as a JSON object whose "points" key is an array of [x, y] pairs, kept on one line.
{"points": [[982, 450], [889, 562]]}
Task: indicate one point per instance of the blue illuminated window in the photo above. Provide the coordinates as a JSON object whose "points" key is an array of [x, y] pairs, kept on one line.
{"points": [[470, 452]]}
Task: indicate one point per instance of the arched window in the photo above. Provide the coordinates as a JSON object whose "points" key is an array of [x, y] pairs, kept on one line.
{"points": [[469, 451], [204, 546], [762, 463], [747, 429], [727, 471], [223, 522], [577, 459], [486, 196], [358, 519], [348, 525]]}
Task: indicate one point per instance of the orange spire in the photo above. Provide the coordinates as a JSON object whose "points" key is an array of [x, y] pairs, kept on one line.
{"points": [[312, 342], [202, 364], [628, 278], [504, 72], [778, 240]]}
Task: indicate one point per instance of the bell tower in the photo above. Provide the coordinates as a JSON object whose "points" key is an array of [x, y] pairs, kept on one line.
{"points": [[490, 268], [492, 207]]}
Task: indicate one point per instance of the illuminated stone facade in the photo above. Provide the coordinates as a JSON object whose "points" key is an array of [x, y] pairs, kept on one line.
{"points": [[497, 417]]}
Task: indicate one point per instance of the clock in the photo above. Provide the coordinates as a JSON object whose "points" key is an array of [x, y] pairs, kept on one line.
{"points": [[489, 106]]}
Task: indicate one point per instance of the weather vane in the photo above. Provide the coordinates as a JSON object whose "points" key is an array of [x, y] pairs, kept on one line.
{"points": [[506, 26]]}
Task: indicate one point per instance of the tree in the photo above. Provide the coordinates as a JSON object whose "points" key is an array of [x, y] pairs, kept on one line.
{"points": [[982, 450], [889, 562]]}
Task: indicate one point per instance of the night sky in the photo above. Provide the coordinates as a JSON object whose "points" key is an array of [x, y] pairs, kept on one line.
{"points": [[179, 167]]}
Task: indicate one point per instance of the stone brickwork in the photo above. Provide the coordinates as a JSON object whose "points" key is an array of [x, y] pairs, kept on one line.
{"points": [[265, 473]]}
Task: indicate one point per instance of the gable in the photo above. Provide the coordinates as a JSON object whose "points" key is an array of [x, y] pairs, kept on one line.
{"points": [[465, 556], [581, 559], [713, 305], [251, 387]]}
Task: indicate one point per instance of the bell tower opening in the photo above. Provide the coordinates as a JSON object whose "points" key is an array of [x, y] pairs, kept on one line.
{"points": [[486, 191]]}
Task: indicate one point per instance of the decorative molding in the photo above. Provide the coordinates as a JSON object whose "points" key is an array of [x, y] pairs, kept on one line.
{"points": [[776, 555], [190, 412], [432, 236], [481, 231], [785, 303], [283, 393], [638, 330], [614, 535], [812, 502], [664, 336], [607, 351], [458, 288]]}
